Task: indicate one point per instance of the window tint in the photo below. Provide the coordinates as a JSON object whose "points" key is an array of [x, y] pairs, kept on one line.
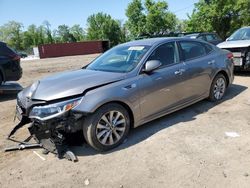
{"points": [[211, 37], [165, 53], [202, 37], [208, 48], [5, 51], [191, 50]]}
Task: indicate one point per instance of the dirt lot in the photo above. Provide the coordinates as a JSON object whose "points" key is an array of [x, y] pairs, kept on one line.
{"points": [[188, 148]]}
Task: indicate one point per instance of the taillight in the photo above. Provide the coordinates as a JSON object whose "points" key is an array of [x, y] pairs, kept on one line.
{"points": [[15, 58], [230, 55]]}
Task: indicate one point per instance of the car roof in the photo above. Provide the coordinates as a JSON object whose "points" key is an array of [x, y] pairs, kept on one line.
{"points": [[194, 35], [151, 41], [2, 43]]}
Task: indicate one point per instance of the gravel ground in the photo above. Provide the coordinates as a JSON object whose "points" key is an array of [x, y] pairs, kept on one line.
{"points": [[193, 147]]}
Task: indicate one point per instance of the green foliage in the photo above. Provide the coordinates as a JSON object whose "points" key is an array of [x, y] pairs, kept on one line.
{"points": [[136, 23], [11, 32], [64, 35], [77, 32], [144, 17], [151, 18], [222, 16], [101, 26]]}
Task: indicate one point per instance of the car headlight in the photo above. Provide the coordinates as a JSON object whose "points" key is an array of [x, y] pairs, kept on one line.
{"points": [[53, 110]]}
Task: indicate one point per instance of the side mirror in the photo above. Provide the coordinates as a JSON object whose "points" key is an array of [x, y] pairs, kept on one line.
{"points": [[151, 65]]}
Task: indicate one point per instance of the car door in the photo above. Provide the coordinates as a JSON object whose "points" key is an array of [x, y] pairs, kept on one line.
{"points": [[199, 61], [163, 88]]}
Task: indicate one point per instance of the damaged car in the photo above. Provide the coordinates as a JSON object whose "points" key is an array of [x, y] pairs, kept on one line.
{"points": [[239, 44], [127, 86]]}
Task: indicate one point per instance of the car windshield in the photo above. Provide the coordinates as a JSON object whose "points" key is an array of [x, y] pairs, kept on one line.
{"points": [[240, 34], [119, 59]]}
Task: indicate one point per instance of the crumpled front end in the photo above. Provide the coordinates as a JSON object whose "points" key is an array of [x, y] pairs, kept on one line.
{"points": [[241, 57], [52, 133], [50, 122]]}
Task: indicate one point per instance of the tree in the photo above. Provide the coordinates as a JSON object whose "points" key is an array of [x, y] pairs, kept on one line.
{"points": [[64, 34], [224, 17], [49, 38], [11, 33], [136, 18], [102, 26], [158, 19], [150, 18], [77, 32]]}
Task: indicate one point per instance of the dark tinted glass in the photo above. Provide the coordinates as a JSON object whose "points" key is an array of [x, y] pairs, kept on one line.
{"points": [[191, 50], [6, 51], [165, 53]]}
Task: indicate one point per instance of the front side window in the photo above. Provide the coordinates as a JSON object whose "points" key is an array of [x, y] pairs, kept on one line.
{"points": [[166, 54], [192, 50], [119, 59]]}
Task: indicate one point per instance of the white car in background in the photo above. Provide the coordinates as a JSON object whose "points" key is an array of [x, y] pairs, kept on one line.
{"points": [[239, 44]]}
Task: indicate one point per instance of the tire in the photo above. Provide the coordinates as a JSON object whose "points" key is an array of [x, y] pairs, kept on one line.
{"points": [[218, 88], [102, 135]]}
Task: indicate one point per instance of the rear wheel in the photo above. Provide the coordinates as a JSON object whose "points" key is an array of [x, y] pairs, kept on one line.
{"points": [[107, 127], [218, 88]]}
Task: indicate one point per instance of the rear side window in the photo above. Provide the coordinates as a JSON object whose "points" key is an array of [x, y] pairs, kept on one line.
{"points": [[166, 54], [6, 51], [211, 37], [202, 37], [209, 48], [192, 50]]}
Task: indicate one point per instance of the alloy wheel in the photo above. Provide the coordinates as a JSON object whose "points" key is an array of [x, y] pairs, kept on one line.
{"points": [[219, 88], [110, 128]]}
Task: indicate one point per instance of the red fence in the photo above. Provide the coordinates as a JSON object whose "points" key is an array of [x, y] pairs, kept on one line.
{"points": [[73, 48]]}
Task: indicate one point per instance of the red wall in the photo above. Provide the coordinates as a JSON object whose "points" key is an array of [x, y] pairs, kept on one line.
{"points": [[73, 48]]}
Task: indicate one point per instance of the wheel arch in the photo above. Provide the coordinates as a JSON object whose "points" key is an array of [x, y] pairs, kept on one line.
{"points": [[224, 73]]}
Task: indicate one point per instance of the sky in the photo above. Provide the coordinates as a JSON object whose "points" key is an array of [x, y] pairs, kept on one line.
{"points": [[72, 12]]}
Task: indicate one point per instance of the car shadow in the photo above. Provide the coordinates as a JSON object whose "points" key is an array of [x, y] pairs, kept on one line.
{"points": [[8, 97], [145, 131], [242, 73]]}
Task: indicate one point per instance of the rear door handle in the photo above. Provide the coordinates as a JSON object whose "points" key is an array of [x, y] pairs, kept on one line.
{"points": [[211, 62], [179, 72]]}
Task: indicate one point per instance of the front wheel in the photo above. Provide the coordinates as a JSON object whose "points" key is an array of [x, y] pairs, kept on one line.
{"points": [[218, 88], [107, 127]]}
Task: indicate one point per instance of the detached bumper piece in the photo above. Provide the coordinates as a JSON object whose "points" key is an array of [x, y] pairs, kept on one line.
{"points": [[51, 135]]}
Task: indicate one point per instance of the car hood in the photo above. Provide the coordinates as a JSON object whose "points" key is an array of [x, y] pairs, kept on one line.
{"points": [[234, 44], [72, 83]]}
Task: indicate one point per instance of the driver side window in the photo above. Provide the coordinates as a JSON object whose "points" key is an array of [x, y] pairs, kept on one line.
{"points": [[166, 54]]}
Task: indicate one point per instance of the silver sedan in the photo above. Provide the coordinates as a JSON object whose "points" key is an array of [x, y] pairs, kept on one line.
{"points": [[127, 86]]}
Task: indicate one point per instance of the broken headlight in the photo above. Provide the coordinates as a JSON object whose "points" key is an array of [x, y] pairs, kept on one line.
{"points": [[53, 110]]}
